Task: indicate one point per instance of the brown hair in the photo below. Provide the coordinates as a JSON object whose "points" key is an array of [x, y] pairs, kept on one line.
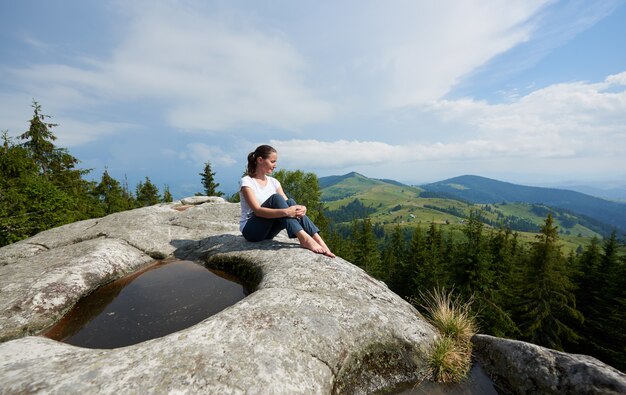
{"points": [[262, 151]]}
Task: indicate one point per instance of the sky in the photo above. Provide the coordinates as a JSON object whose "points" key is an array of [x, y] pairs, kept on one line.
{"points": [[530, 92]]}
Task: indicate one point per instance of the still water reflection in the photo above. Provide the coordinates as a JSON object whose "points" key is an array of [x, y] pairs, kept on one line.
{"points": [[161, 299], [478, 383]]}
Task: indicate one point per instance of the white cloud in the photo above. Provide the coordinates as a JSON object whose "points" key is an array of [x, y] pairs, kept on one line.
{"points": [[72, 132], [562, 128], [218, 67], [430, 48], [199, 153], [207, 73], [617, 79]]}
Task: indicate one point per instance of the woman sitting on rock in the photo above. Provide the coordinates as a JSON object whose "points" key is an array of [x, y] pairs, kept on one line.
{"points": [[266, 210]]}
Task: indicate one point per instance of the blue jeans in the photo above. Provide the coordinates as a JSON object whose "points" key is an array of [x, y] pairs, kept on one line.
{"points": [[258, 228]]}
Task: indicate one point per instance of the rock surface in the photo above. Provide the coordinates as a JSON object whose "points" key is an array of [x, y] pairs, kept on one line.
{"points": [[525, 368], [313, 325]]}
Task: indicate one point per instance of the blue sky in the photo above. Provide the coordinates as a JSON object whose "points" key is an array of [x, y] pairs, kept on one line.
{"points": [[532, 91]]}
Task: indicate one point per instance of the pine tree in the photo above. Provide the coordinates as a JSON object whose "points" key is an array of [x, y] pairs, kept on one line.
{"points": [[547, 300], [128, 195], [504, 254], [147, 194], [475, 277], [208, 181], [416, 258], [366, 253], [394, 261], [472, 270], [347, 248], [235, 198], [109, 191], [602, 300], [40, 187], [167, 195], [434, 271], [39, 138]]}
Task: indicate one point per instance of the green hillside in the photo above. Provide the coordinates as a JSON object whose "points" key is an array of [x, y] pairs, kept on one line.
{"points": [[477, 189], [389, 203], [341, 187]]}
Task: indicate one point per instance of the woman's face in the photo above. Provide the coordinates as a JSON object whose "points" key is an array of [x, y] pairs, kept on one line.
{"points": [[267, 165]]}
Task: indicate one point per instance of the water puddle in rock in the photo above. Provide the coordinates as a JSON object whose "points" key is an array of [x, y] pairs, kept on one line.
{"points": [[478, 383], [160, 299]]}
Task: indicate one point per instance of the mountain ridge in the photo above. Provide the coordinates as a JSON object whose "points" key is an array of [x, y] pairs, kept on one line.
{"points": [[482, 190], [477, 189]]}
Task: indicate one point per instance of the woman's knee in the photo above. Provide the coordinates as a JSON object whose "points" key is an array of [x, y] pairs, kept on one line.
{"points": [[275, 201], [278, 196]]}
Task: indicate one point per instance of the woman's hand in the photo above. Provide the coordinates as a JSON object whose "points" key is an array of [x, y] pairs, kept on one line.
{"points": [[292, 212], [300, 211]]}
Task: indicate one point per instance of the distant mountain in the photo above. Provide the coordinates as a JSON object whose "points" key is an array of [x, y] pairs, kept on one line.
{"points": [[339, 187], [386, 203], [617, 194], [329, 181], [326, 182], [476, 189]]}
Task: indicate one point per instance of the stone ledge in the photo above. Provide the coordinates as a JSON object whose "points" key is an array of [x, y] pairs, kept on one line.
{"points": [[314, 325]]}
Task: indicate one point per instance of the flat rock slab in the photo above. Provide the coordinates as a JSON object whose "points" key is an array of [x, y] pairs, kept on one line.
{"points": [[314, 325]]}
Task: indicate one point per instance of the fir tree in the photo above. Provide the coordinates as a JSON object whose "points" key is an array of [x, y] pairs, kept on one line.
{"points": [[40, 188], [433, 272], [208, 181], [416, 262], [547, 300], [472, 268], [109, 191], [167, 195], [474, 277], [147, 194], [497, 319], [394, 261], [602, 300], [234, 198], [38, 140], [366, 253]]}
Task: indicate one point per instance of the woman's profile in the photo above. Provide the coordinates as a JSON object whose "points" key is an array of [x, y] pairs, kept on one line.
{"points": [[266, 209]]}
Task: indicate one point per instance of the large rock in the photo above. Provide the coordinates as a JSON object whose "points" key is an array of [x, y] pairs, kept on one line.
{"points": [[313, 325], [524, 368]]}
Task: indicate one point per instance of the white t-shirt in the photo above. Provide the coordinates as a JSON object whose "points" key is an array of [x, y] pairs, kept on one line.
{"points": [[261, 193]]}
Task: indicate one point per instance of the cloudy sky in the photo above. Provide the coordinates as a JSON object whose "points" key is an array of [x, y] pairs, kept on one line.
{"points": [[529, 91]]}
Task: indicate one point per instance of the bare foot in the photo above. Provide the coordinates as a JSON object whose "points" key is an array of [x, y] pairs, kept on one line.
{"points": [[307, 242], [320, 241]]}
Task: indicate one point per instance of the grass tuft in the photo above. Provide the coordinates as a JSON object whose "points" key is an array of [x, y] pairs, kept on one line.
{"points": [[449, 362], [451, 354]]}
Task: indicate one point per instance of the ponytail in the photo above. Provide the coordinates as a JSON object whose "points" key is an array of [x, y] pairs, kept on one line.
{"points": [[262, 151]]}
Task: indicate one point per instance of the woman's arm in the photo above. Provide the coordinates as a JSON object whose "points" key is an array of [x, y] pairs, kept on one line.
{"points": [[300, 209], [264, 212]]}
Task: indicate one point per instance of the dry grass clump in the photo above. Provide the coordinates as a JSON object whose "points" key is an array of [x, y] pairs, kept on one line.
{"points": [[448, 362], [450, 357]]}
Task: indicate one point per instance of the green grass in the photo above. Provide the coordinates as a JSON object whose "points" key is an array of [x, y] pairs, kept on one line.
{"points": [[450, 356], [449, 363]]}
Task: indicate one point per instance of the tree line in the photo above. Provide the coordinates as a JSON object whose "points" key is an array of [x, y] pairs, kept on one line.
{"points": [[529, 291], [41, 187]]}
